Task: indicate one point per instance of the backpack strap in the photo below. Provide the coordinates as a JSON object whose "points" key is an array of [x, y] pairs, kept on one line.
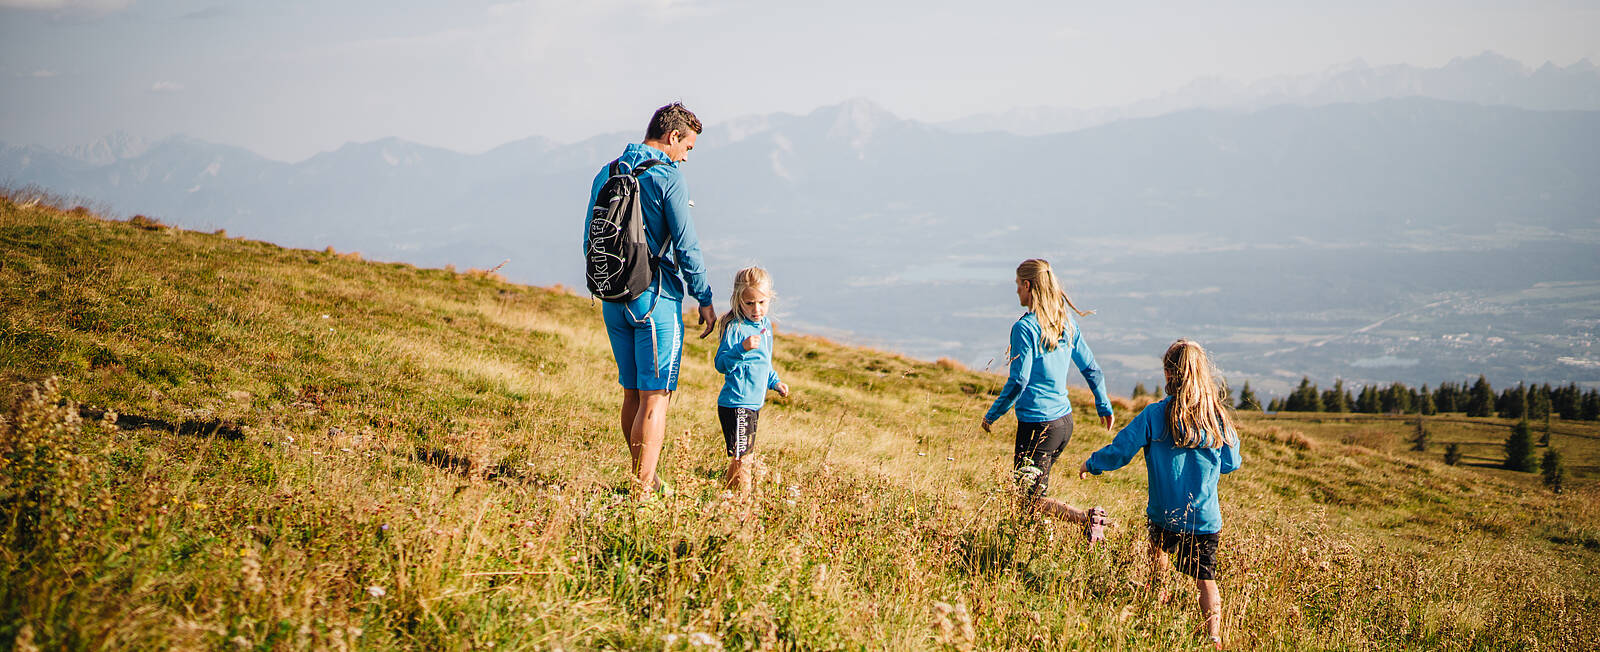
{"points": [[638, 170]]}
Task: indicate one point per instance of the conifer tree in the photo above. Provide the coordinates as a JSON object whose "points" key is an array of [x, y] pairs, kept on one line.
{"points": [[1480, 403], [1452, 454], [1568, 402], [1591, 405], [1247, 399], [1275, 405], [1304, 398], [1448, 398], [1513, 403], [1425, 403], [1367, 401], [1544, 440], [1555, 473], [1539, 401], [1419, 442], [1139, 390], [1519, 447], [1335, 399]]}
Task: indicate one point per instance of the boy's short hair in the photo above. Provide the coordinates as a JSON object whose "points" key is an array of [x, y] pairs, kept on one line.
{"points": [[670, 118]]}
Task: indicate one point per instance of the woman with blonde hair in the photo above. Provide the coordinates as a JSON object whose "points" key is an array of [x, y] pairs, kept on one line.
{"points": [[1189, 441], [1044, 342]]}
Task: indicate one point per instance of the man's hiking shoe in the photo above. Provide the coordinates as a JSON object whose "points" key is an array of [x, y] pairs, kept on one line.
{"points": [[1095, 529]]}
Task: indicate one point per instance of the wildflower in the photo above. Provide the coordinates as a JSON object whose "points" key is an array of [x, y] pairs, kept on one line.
{"points": [[376, 591], [324, 316]]}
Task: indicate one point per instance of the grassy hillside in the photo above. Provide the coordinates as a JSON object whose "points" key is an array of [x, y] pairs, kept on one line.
{"points": [[252, 447]]}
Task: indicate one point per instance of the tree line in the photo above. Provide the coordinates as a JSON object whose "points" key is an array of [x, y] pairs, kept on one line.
{"points": [[1479, 400]]}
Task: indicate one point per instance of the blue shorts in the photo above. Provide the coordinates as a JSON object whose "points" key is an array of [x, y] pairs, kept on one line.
{"points": [[647, 343]]}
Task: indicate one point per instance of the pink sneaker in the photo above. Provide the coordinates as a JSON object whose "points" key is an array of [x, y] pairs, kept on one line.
{"points": [[1095, 529]]}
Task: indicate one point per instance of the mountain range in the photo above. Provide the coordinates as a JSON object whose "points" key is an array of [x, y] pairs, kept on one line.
{"points": [[1403, 239], [1488, 78]]}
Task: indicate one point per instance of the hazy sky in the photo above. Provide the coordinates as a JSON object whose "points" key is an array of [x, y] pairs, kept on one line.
{"points": [[288, 78]]}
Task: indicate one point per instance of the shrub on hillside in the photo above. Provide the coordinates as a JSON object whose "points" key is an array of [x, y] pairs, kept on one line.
{"points": [[1419, 442], [1555, 473], [1519, 447], [1452, 454], [146, 223]]}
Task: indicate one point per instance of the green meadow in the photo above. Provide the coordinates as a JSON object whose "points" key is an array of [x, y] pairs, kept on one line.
{"points": [[214, 443]]}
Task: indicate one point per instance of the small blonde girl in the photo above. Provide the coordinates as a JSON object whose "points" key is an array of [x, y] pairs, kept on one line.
{"points": [[1189, 441], [744, 356]]}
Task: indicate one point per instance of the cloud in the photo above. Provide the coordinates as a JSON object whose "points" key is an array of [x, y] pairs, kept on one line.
{"points": [[166, 87], [93, 7], [43, 74]]}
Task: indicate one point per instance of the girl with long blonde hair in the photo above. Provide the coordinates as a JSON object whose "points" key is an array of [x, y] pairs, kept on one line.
{"points": [[744, 356], [1189, 441], [1045, 344]]}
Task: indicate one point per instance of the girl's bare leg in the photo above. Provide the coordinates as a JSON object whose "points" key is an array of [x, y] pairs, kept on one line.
{"points": [[1211, 609], [1060, 509], [739, 474], [1158, 568]]}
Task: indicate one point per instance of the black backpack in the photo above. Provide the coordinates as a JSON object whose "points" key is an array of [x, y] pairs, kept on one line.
{"points": [[618, 264]]}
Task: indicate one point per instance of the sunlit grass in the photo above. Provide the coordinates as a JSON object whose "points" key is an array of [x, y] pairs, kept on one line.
{"points": [[437, 465]]}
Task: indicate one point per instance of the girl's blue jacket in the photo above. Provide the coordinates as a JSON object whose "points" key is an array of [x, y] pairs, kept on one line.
{"points": [[749, 374], [1038, 381], [1183, 481]]}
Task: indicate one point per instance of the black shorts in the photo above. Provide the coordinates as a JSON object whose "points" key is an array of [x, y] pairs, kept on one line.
{"points": [[1038, 446], [738, 429], [1193, 554]]}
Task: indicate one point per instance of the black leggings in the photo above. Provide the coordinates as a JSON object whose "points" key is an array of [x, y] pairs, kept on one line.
{"points": [[1038, 446]]}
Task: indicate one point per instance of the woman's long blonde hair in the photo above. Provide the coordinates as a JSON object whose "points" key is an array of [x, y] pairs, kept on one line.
{"points": [[1198, 414], [745, 279], [1045, 304]]}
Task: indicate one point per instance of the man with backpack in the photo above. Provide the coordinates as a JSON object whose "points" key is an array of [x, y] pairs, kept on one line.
{"points": [[642, 256]]}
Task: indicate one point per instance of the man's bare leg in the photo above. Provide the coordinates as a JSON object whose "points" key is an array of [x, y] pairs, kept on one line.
{"points": [[647, 434], [630, 410]]}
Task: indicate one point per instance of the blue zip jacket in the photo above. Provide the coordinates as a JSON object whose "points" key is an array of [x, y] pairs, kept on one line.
{"points": [[1183, 481], [749, 373], [1038, 381], [665, 206]]}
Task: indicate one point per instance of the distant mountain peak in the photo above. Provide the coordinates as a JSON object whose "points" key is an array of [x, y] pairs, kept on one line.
{"points": [[1489, 60], [855, 120], [114, 147]]}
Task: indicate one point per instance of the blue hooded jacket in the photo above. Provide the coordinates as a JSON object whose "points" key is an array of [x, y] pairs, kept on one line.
{"points": [[1038, 381], [1183, 481], [665, 198], [749, 373]]}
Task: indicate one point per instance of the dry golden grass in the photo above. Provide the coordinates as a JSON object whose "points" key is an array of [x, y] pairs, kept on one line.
{"points": [[315, 452]]}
